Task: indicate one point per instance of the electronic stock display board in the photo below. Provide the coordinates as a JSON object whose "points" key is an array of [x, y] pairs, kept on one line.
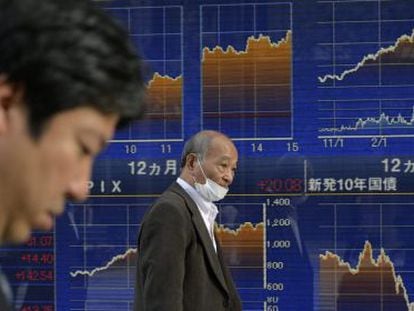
{"points": [[318, 97]]}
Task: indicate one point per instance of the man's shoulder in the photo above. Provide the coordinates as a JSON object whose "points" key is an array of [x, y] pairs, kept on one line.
{"points": [[174, 198], [170, 205], [173, 192], [4, 306]]}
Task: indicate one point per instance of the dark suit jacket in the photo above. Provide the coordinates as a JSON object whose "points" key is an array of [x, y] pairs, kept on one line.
{"points": [[4, 303], [177, 267]]}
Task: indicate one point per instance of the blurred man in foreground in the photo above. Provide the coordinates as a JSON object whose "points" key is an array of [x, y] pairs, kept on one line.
{"points": [[68, 78]]}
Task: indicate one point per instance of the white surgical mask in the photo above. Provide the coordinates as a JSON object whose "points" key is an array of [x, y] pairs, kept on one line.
{"points": [[210, 191]]}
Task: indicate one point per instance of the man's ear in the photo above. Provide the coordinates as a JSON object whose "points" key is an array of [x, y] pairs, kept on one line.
{"points": [[7, 92], [191, 161]]}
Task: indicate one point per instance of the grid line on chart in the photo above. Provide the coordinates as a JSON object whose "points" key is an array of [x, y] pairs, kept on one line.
{"points": [[373, 68], [218, 98], [163, 122]]}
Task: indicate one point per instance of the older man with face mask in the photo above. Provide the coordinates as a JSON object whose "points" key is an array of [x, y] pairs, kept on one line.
{"points": [[180, 264]]}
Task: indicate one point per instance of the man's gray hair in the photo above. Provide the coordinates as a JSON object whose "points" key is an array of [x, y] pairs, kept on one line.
{"points": [[198, 144]]}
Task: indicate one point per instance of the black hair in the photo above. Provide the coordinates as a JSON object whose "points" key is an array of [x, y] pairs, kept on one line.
{"points": [[66, 54]]}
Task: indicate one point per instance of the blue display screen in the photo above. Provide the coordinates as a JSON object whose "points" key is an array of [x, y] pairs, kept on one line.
{"points": [[318, 97]]}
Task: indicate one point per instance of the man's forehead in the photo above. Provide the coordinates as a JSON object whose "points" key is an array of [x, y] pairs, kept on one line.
{"points": [[223, 154], [221, 142], [87, 120]]}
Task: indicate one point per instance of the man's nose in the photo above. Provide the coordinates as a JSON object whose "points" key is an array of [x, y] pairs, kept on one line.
{"points": [[78, 188], [228, 177]]}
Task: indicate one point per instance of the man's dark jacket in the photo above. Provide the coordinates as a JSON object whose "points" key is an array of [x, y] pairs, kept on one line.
{"points": [[177, 266], [4, 303]]}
